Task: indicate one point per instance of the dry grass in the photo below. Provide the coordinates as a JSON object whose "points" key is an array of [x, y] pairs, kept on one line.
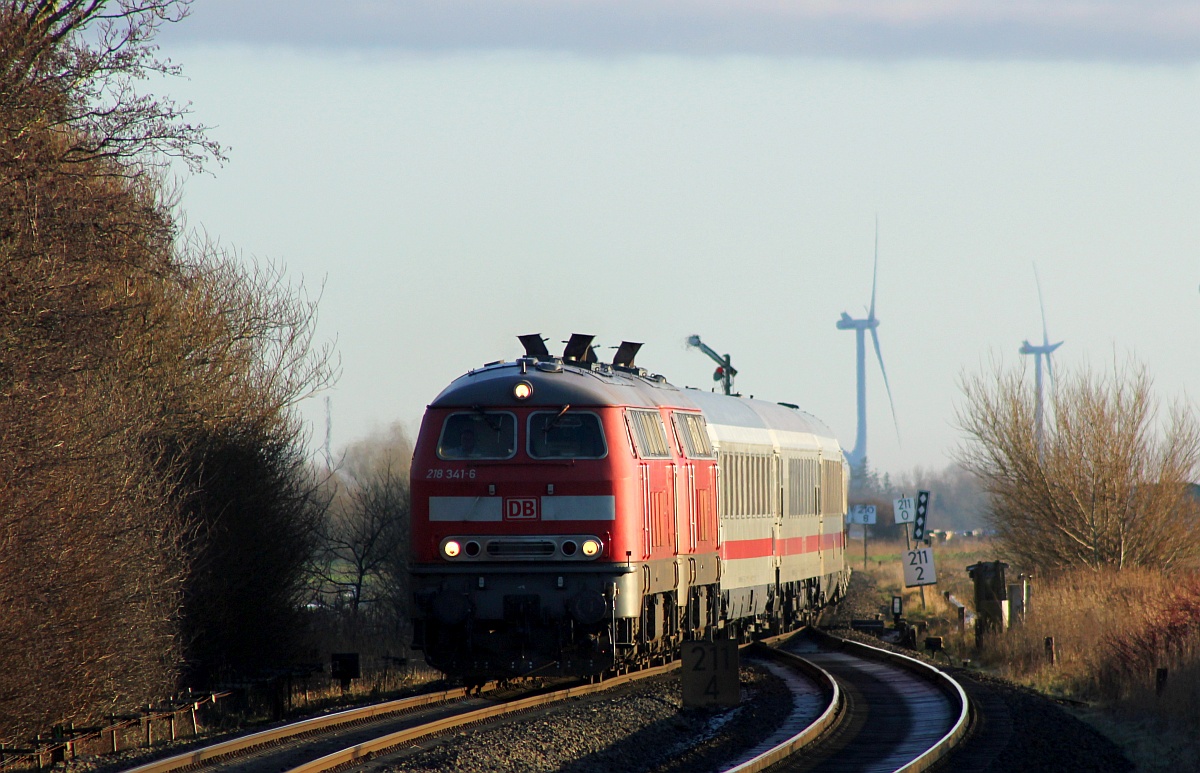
{"points": [[926, 605], [384, 684], [1112, 632]]}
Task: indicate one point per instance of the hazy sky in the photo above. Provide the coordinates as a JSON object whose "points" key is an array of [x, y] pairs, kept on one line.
{"points": [[458, 173]]}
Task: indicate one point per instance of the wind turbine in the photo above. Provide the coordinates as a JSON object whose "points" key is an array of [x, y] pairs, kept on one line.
{"points": [[858, 456], [1037, 351]]}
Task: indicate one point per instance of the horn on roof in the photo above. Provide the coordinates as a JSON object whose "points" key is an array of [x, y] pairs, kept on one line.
{"points": [[535, 345], [625, 354], [579, 348]]}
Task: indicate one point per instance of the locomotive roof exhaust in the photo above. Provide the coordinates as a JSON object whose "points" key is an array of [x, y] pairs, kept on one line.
{"points": [[625, 354], [579, 349], [534, 345]]}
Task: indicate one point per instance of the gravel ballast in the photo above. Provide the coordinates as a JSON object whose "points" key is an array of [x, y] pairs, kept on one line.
{"points": [[642, 727], [639, 728]]}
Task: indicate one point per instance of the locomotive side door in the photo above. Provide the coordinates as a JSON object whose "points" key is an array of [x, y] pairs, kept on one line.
{"points": [[685, 492], [680, 497], [776, 509]]}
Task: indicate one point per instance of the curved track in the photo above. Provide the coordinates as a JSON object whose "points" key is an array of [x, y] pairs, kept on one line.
{"points": [[862, 709], [897, 713]]}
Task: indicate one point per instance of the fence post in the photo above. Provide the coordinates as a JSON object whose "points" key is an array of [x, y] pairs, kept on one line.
{"points": [[1050, 649], [1160, 681]]}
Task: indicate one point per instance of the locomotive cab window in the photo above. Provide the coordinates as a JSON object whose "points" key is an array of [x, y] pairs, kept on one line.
{"points": [[649, 434], [694, 437], [566, 435], [478, 435]]}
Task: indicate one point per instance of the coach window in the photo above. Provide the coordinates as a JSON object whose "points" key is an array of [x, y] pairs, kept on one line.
{"points": [[478, 435], [566, 435]]}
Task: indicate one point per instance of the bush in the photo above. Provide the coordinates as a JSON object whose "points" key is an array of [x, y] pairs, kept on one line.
{"points": [[149, 462], [1102, 487]]}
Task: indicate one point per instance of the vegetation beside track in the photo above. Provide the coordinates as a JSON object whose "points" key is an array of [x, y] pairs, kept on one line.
{"points": [[1112, 632], [157, 513]]}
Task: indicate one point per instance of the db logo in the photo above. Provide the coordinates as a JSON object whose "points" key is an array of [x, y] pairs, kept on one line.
{"points": [[521, 509]]}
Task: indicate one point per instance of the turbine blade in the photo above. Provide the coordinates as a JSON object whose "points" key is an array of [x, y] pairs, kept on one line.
{"points": [[883, 370], [1042, 304], [875, 272]]}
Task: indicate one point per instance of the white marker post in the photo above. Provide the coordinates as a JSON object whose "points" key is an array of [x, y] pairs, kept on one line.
{"points": [[709, 673], [917, 516], [905, 509], [864, 514]]}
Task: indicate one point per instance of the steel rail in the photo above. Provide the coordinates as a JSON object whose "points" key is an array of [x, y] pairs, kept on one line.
{"points": [[368, 748], [828, 717], [326, 722], [943, 681]]}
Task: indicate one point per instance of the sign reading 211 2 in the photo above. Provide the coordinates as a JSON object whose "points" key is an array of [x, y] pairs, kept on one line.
{"points": [[918, 567]]}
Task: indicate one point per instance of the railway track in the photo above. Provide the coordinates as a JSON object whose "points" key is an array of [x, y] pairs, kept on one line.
{"points": [[336, 740], [893, 713], [244, 751], [857, 708]]}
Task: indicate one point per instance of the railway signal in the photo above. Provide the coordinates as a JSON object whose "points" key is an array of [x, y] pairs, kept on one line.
{"points": [[919, 521], [724, 372]]}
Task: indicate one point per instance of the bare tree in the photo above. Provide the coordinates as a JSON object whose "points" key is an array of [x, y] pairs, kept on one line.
{"points": [[70, 68], [1107, 486], [361, 568], [153, 507]]}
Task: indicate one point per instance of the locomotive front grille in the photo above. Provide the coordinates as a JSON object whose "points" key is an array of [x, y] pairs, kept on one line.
{"points": [[525, 548]]}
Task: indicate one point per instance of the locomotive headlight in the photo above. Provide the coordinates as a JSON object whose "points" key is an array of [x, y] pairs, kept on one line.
{"points": [[522, 390], [591, 547], [451, 548]]}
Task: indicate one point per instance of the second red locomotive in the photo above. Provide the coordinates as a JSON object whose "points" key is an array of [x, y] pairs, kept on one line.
{"points": [[571, 516]]}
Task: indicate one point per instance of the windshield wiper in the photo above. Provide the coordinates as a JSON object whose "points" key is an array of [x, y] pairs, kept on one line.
{"points": [[557, 418], [492, 420]]}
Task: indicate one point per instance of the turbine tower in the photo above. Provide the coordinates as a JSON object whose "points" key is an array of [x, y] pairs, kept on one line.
{"points": [[1037, 351], [858, 456]]}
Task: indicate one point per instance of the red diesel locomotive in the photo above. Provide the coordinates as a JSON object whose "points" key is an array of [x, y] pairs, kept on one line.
{"points": [[571, 516]]}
